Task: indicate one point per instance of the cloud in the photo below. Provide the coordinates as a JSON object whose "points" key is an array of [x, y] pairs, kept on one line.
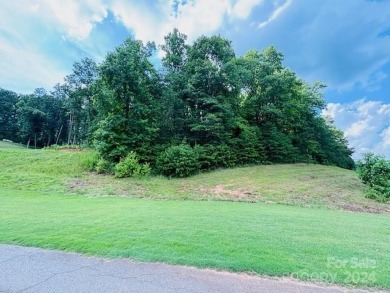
{"points": [[366, 124], [26, 69], [358, 128], [275, 14], [343, 43], [23, 47], [386, 137], [242, 9], [333, 41], [193, 18], [75, 18]]}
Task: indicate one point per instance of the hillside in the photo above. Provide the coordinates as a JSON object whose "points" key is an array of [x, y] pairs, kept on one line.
{"points": [[10, 145], [67, 172], [50, 199]]}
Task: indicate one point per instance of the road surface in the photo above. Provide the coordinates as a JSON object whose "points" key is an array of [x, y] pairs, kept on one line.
{"points": [[25, 269]]}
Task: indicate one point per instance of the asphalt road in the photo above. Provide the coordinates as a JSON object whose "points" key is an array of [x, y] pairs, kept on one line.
{"points": [[24, 269]]}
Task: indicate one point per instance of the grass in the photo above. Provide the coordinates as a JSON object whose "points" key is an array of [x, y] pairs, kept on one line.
{"points": [[300, 184], [10, 145], [274, 240], [48, 199], [41, 170]]}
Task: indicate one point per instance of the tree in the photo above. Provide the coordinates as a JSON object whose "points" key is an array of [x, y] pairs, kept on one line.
{"points": [[212, 98], [228, 110], [79, 104], [173, 108], [40, 116], [8, 115], [31, 119], [130, 124], [374, 171]]}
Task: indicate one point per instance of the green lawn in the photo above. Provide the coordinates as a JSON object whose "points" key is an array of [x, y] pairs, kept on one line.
{"points": [[266, 239], [42, 204]]}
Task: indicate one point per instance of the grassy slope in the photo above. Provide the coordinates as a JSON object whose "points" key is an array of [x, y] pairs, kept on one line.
{"points": [[10, 145], [300, 184], [267, 239], [41, 170]]}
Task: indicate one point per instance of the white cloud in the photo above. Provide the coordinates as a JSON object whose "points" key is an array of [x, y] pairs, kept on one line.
{"points": [[338, 42], [386, 137], [365, 123], [358, 128], [24, 65], [27, 67], [193, 19], [275, 14], [137, 17], [34, 33], [243, 8], [75, 18]]}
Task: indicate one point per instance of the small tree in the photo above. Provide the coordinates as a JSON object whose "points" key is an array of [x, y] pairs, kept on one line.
{"points": [[374, 171], [178, 161]]}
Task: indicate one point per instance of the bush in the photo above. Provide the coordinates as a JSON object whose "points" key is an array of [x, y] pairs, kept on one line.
{"points": [[130, 167], [213, 157], [374, 171], [178, 161], [104, 167]]}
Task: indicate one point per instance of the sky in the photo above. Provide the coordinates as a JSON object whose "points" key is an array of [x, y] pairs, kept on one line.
{"points": [[345, 44]]}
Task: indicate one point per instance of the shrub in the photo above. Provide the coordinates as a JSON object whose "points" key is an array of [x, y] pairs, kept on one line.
{"points": [[130, 167], [89, 160], [374, 171], [104, 167], [213, 157], [178, 161]]}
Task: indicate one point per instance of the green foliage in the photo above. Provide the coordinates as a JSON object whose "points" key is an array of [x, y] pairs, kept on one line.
{"points": [[213, 157], [130, 167], [103, 166], [80, 112], [233, 110], [8, 115], [178, 161], [129, 116], [110, 139], [374, 171]]}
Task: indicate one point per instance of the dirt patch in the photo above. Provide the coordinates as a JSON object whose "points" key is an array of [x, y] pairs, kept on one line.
{"points": [[337, 200], [77, 184], [224, 191], [103, 186], [364, 209]]}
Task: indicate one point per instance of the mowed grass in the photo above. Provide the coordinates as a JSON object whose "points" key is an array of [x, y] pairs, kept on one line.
{"points": [[269, 239], [67, 172], [10, 145], [299, 184], [41, 170], [49, 199]]}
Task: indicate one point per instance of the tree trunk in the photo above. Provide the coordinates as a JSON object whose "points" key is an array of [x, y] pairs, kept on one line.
{"points": [[70, 128], [59, 134]]}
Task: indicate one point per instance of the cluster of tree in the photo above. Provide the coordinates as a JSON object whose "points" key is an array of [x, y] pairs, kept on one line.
{"points": [[374, 171], [229, 110], [63, 116]]}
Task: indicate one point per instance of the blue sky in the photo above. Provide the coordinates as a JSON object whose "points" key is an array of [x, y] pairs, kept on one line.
{"points": [[345, 44]]}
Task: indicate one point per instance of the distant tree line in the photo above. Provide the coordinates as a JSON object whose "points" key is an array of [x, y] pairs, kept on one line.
{"points": [[203, 102]]}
